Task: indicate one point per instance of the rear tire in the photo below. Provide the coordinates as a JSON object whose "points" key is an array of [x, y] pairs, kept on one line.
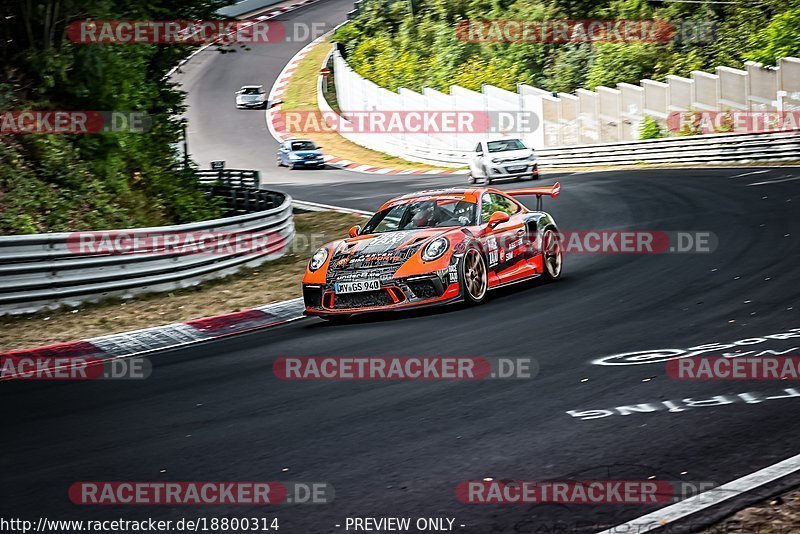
{"points": [[552, 255], [474, 276]]}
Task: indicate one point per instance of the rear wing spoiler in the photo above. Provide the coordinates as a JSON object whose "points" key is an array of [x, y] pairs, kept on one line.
{"points": [[552, 191]]}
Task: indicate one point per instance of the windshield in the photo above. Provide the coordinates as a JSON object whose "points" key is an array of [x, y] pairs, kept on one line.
{"points": [[433, 213], [504, 145], [251, 91], [303, 145]]}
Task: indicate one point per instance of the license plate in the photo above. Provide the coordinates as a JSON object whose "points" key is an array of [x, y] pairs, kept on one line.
{"points": [[517, 168], [356, 287]]}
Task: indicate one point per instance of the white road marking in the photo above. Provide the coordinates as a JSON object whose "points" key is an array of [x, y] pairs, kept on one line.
{"points": [[316, 206], [690, 506], [785, 179], [749, 173]]}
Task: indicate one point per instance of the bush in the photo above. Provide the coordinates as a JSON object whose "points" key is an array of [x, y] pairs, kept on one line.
{"points": [[651, 129]]}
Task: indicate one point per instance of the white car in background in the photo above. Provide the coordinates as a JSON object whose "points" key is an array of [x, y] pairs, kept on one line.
{"points": [[500, 159], [251, 97]]}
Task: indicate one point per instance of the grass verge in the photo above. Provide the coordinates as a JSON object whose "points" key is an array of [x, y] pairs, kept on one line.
{"points": [[301, 95], [270, 282]]}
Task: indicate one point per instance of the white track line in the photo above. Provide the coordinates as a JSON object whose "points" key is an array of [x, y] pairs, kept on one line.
{"points": [[784, 179], [750, 173], [316, 206], [669, 514]]}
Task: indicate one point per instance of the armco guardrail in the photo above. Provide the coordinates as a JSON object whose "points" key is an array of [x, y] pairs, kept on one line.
{"points": [[45, 271], [697, 149]]}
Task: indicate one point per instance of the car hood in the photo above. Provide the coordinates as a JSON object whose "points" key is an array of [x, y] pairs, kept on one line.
{"points": [[304, 153], [384, 249], [249, 98], [511, 154]]}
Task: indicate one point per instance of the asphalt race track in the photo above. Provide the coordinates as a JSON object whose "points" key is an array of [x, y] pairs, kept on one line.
{"points": [[217, 412]]}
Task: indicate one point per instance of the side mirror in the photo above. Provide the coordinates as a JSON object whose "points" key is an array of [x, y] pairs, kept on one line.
{"points": [[355, 231], [318, 147], [498, 217]]}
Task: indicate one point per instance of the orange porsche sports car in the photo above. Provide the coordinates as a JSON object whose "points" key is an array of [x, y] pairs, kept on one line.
{"points": [[435, 247]]}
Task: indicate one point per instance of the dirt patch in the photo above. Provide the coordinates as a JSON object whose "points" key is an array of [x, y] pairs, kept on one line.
{"points": [[779, 515], [271, 282]]}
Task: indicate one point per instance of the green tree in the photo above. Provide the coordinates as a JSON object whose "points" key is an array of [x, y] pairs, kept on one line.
{"points": [[94, 181], [780, 38]]}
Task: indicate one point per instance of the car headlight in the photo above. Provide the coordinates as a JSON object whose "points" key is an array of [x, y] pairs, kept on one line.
{"points": [[318, 259], [435, 249], [495, 160], [532, 157]]}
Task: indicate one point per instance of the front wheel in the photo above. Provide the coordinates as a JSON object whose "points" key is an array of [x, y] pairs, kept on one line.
{"points": [[474, 277], [552, 255]]}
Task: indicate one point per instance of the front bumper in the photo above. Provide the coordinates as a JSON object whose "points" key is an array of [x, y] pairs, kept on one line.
{"points": [[251, 105], [306, 162], [399, 294], [505, 171]]}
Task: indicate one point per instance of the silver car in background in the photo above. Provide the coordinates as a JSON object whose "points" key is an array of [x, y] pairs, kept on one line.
{"points": [[300, 154], [500, 159], [251, 97]]}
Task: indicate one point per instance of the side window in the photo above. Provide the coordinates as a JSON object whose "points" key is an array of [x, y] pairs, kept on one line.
{"points": [[492, 202], [504, 203], [479, 149], [486, 208]]}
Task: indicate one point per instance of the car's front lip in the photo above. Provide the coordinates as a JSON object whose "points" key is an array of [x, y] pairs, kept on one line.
{"points": [[315, 161], [501, 170], [450, 293]]}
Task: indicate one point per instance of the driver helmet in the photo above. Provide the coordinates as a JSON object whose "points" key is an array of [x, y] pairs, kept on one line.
{"points": [[424, 215]]}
